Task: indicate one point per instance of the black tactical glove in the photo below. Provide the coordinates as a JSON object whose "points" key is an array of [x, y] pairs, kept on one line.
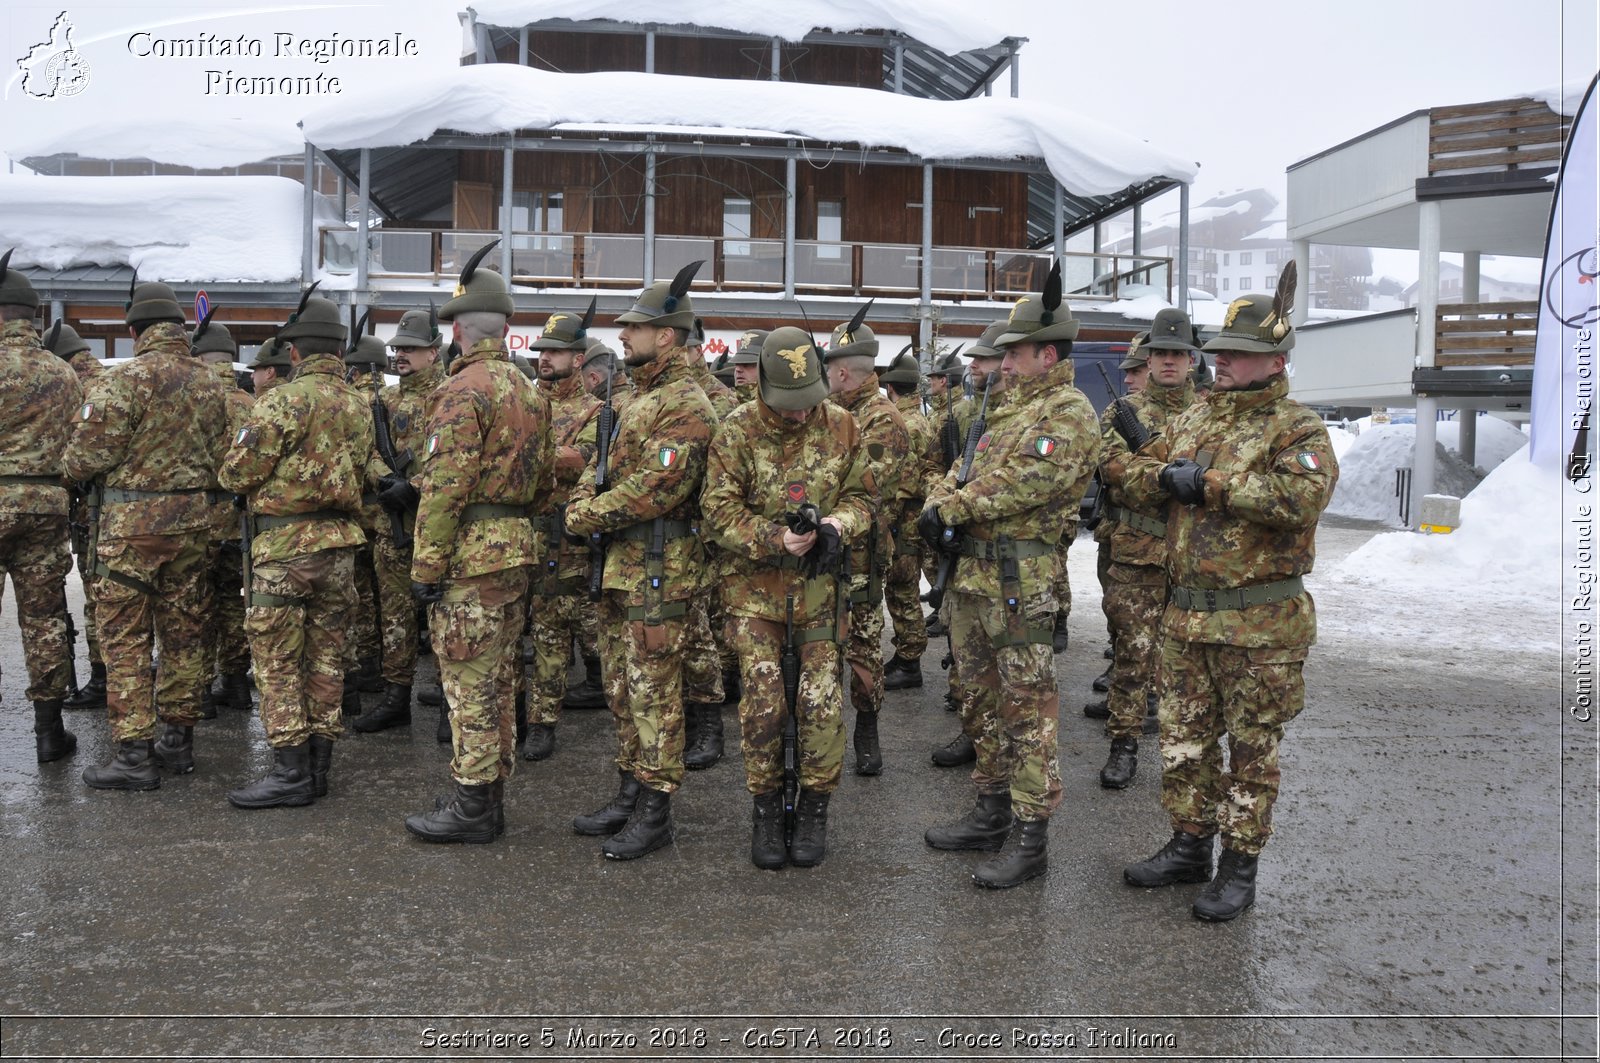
{"points": [[825, 554], [1185, 481], [426, 593], [241, 503], [930, 525], [399, 496]]}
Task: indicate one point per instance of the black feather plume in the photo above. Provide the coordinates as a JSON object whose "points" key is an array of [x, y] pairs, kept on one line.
{"points": [[55, 330], [1050, 298], [304, 299], [205, 323], [958, 349], [859, 317], [588, 318], [359, 329], [1283, 294], [5, 261], [680, 285], [903, 350], [477, 257], [132, 284], [433, 319]]}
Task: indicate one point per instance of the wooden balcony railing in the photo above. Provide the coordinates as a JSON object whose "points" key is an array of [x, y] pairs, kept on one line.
{"points": [[1485, 334], [1494, 137]]}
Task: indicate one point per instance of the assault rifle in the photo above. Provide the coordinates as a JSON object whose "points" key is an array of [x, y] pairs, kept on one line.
{"points": [[947, 539], [605, 428], [397, 461], [789, 667], [72, 644]]}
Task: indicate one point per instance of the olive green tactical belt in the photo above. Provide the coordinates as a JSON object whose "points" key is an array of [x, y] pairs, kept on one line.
{"points": [[1029, 636], [669, 611], [492, 511], [19, 478], [816, 634], [985, 550], [872, 592], [125, 494], [1212, 601], [670, 529], [1137, 521], [261, 522]]}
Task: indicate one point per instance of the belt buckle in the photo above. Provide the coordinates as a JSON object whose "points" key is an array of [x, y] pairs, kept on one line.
{"points": [[1211, 600]]}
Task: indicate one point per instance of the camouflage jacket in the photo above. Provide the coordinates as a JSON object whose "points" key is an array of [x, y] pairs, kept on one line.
{"points": [[224, 514], [368, 383], [1131, 543], [1040, 444], [488, 444], [1061, 389], [924, 465], [746, 393], [299, 452], [1272, 472], [406, 405], [86, 365], [722, 397], [888, 445], [761, 467], [573, 429], [657, 462], [153, 424], [38, 395]]}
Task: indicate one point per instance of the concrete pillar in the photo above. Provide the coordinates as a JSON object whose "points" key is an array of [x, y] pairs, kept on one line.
{"points": [[1467, 426], [507, 171], [789, 192], [927, 239], [649, 217], [1422, 474], [1471, 276], [363, 209], [1302, 266], [650, 51]]}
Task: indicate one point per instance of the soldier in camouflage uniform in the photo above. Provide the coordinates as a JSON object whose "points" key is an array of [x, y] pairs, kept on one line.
{"points": [[270, 367], [489, 470], [38, 394], [405, 406], [150, 434], [707, 656], [787, 449], [887, 442], [65, 342], [300, 457], [560, 606], [744, 364], [1135, 581], [654, 563], [723, 399], [365, 360], [603, 374], [1002, 598], [1248, 472], [902, 585]]}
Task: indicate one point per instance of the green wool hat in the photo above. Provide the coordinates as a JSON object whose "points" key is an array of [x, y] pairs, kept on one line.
{"points": [[566, 332], [274, 354], [368, 351], [479, 289], [903, 371], [722, 368], [63, 340], [1171, 331], [212, 338], [151, 301], [948, 365], [15, 289], [418, 328], [749, 352], [988, 345], [1043, 318], [789, 371], [853, 338], [1259, 324], [1137, 355], [666, 304]]}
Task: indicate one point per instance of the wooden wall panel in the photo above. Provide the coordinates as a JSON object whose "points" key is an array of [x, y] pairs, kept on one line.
{"points": [[582, 53]]}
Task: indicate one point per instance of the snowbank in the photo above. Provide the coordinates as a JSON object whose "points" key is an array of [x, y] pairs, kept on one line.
{"points": [[949, 27], [1342, 440], [1497, 441], [174, 229], [1087, 157], [1366, 473]]}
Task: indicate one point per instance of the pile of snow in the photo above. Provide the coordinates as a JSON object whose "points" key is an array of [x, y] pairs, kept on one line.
{"points": [[949, 27], [1366, 474], [1086, 156], [1342, 440], [1497, 441], [174, 229]]}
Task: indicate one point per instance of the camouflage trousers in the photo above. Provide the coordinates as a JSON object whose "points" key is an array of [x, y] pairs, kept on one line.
{"points": [[91, 586], [1102, 565], [33, 552], [556, 620], [1248, 694], [477, 628], [298, 622], [702, 659], [902, 590], [819, 710], [364, 641], [864, 646], [397, 613], [227, 649], [1135, 597], [727, 656], [642, 668], [1062, 587], [133, 622], [1009, 679]]}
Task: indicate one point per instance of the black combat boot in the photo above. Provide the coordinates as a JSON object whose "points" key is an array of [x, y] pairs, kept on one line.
{"points": [[519, 716], [959, 750], [732, 687], [902, 673], [393, 711], [321, 762], [613, 816], [236, 691], [441, 732], [1151, 724], [541, 742], [368, 676], [350, 700], [1023, 857], [1231, 892], [1109, 652], [951, 702], [1121, 764], [766, 832], [208, 704], [1097, 710], [133, 768], [869, 758], [430, 694], [984, 828], [1185, 858], [1058, 635], [810, 830], [288, 783], [933, 625], [93, 694], [1102, 682], [648, 829], [589, 694], [468, 816], [706, 749], [174, 750], [51, 740], [497, 794]]}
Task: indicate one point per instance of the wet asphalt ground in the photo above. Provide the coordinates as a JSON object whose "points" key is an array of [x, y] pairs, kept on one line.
{"points": [[1430, 893]]}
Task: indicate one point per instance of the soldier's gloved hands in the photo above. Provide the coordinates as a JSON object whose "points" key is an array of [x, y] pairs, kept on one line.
{"points": [[398, 496], [241, 502], [825, 554], [930, 525], [426, 593], [1185, 481]]}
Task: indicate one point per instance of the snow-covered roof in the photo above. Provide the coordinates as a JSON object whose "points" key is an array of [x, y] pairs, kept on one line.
{"points": [[174, 229], [1086, 156], [944, 24], [1562, 99]]}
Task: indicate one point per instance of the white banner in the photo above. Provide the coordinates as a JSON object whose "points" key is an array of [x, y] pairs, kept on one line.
{"points": [[1564, 371]]}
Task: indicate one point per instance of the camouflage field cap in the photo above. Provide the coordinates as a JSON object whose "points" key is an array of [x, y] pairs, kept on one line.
{"points": [[789, 371], [665, 304], [418, 328], [749, 352], [565, 331], [151, 301], [1171, 331], [1137, 355], [212, 338], [853, 338], [15, 289], [1041, 318], [903, 371], [479, 290], [274, 354], [596, 353], [63, 340], [1259, 324]]}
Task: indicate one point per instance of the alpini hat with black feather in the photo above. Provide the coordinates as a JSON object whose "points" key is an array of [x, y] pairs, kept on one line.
{"points": [[366, 350], [150, 302], [211, 338], [566, 332], [666, 304], [1040, 319], [853, 338], [479, 289], [315, 318], [15, 288], [418, 328], [903, 371], [63, 340], [1259, 324]]}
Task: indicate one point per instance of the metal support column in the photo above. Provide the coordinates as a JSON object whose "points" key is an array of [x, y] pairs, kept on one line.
{"points": [[363, 210], [507, 177], [308, 207], [899, 68], [1467, 435], [1016, 73], [522, 46], [1138, 228], [788, 225], [649, 216], [925, 311], [1471, 276], [1422, 460], [1059, 242], [777, 57], [1183, 247], [649, 51]]}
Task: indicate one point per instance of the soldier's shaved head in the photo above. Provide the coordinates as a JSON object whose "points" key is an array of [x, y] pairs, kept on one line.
{"points": [[478, 325]]}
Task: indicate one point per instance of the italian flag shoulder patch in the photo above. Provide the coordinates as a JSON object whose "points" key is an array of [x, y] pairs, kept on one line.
{"points": [[1044, 446], [1308, 461]]}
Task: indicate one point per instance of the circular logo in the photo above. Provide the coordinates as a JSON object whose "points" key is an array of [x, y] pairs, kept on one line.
{"points": [[66, 73]]}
